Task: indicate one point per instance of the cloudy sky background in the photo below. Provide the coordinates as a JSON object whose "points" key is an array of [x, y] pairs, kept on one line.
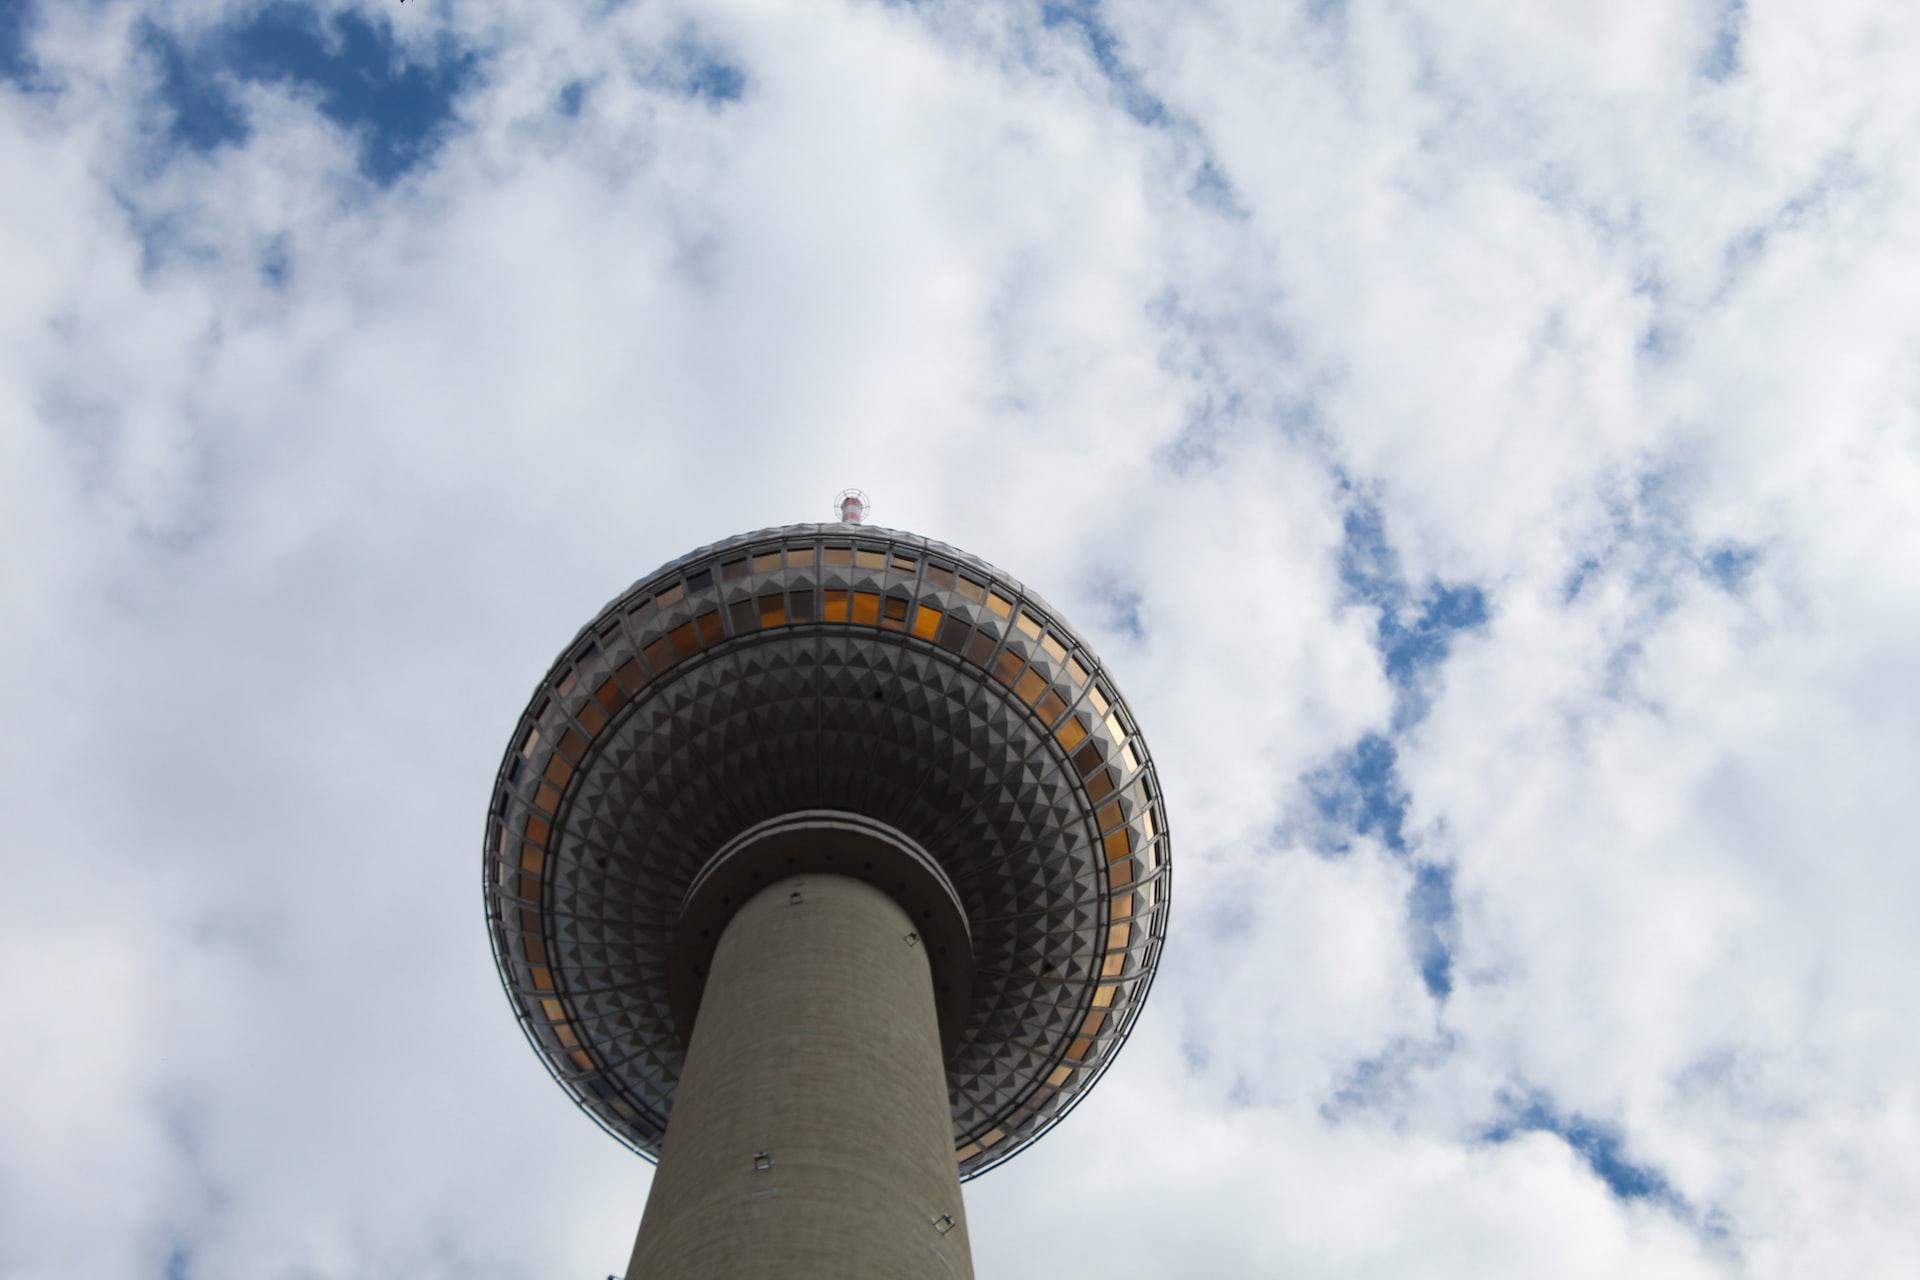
{"points": [[1484, 440]]}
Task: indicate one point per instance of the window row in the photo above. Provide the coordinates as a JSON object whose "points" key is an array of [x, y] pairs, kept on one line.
{"points": [[1040, 688]]}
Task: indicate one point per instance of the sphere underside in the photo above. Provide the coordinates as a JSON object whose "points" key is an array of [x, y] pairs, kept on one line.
{"points": [[824, 668]]}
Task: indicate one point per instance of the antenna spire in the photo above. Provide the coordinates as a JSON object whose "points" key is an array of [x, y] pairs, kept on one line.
{"points": [[853, 506]]}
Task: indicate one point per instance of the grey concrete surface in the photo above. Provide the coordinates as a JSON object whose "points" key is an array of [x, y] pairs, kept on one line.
{"points": [[811, 1135]]}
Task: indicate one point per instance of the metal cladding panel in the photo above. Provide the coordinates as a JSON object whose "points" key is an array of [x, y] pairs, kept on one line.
{"points": [[830, 667]]}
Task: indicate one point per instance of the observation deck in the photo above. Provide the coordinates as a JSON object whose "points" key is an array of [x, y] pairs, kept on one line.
{"points": [[832, 674]]}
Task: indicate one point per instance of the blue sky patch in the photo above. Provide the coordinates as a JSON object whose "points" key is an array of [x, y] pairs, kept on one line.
{"points": [[572, 98], [1599, 1146], [164, 236], [1368, 566], [362, 81], [1415, 631], [1120, 610], [694, 66], [203, 114], [276, 263], [1730, 566], [1411, 648], [712, 79], [1431, 926], [1212, 190], [1577, 580], [1648, 545], [1722, 60], [1385, 1082], [17, 62], [1658, 341], [1359, 793], [352, 67], [1084, 16]]}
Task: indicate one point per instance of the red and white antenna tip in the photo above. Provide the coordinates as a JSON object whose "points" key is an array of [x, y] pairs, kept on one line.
{"points": [[853, 506]]}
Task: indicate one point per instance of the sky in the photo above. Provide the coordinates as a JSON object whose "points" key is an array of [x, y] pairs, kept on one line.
{"points": [[1482, 440]]}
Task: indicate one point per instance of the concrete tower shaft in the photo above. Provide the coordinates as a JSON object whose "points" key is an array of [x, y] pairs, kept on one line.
{"points": [[811, 1135]]}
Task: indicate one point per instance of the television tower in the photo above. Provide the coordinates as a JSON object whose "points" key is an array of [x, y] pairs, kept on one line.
{"points": [[837, 848]]}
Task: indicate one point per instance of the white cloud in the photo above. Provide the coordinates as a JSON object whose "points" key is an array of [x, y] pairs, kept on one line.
{"points": [[281, 559]]}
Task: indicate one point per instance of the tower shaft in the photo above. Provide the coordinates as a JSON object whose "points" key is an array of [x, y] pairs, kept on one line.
{"points": [[811, 1133]]}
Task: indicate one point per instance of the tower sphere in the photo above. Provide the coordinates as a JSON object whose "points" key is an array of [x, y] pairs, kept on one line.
{"points": [[767, 704]]}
